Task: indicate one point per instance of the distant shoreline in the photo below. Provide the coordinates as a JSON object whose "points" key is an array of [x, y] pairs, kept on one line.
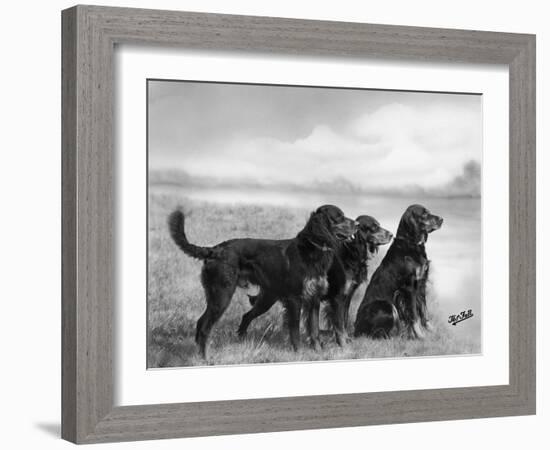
{"points": [[412, 193]]}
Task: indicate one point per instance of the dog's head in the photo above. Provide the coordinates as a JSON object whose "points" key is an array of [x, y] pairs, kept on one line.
{"points": [[371, 234], [328, 226], [416, 223]]}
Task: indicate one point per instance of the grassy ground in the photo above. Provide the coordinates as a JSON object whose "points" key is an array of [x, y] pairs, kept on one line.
{"points": [[176, 298]]}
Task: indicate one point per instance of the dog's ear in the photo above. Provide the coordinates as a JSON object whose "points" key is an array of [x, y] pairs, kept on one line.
{"points": [[320, 223], [318, 229], [410, 227], [363, 231]]}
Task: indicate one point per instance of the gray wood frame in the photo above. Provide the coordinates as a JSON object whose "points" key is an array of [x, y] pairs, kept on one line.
{"points": [[89, 34]]}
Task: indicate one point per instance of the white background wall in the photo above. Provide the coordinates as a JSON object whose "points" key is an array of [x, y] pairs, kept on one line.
{"points": [[30, 222]]}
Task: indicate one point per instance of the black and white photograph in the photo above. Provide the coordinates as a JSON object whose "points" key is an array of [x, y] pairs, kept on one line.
{"points": [[306, 223]]}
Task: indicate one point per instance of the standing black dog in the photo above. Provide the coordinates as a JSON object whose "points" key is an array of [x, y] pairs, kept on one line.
{"points": [[292, 270], [347, 272], [395, 299]]}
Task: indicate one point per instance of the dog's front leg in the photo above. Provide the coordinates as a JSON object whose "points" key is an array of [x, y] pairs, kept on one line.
{"points": [[293, 308], [339, 316], [347, 303], [311, 310]]}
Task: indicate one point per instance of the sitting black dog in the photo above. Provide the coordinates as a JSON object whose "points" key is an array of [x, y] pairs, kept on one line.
{"points": [[395, 299]]}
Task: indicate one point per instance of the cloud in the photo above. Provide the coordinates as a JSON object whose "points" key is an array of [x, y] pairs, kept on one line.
{"points": [[429, 144], [325, 155], [432, 126], [369, 141]]}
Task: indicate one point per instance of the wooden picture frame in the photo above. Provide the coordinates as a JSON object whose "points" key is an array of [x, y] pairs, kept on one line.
{"points": [[89, 34]]}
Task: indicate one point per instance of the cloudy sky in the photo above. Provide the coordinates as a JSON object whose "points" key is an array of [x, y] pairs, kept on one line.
{"points": [[278, 135]]}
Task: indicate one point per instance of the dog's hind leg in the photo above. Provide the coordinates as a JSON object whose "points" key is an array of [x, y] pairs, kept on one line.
{"points": [[263, 302], [214, 310], [219, 287], [381, 320]]}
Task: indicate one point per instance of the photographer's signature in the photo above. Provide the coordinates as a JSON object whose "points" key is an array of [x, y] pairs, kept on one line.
{"points": [[463, 315]]}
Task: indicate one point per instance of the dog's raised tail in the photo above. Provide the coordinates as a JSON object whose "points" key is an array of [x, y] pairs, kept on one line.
{"points": [[176, 224]]}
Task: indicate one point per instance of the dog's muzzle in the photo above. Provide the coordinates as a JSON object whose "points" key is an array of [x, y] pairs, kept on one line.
{"points": [[435, 222]]}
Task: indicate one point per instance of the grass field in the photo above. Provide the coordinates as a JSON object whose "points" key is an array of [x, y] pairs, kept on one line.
{"points": [[176, 299]]}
